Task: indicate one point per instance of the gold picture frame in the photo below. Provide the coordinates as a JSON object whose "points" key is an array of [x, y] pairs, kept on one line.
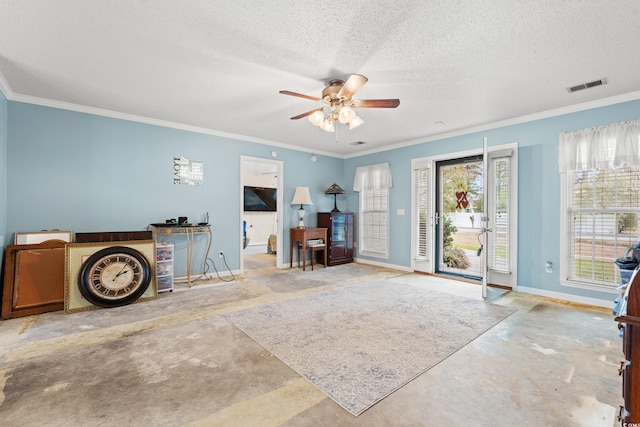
{"points": [[77, 253], [35, 237]]}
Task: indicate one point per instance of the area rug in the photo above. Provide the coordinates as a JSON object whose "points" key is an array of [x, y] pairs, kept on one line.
{"points": [[360, 343]]}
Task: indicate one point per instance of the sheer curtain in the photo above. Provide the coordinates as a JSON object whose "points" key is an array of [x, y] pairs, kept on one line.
{"points": [[373, 177], [604, 147]]}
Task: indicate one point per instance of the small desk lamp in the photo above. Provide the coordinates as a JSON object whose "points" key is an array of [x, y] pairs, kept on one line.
{"points": [[301, 197], [335, 190]]}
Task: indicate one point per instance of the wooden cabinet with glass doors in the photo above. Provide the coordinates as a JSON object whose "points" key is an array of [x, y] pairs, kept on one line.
{"points": [[340, 234]]}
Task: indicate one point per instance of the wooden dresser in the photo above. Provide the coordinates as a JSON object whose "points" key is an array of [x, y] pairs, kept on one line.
{"points": [[629, 324]]}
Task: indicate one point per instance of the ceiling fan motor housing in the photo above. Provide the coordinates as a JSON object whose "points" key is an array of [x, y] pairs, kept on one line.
{"points": [[330, 93]]}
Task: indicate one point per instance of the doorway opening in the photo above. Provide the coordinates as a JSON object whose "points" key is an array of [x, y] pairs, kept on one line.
{"points": [[261, 213], [459, 202], [464, 215]]}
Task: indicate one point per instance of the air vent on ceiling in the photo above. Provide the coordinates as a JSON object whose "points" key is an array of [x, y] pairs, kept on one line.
{"points": [[594, 83], [357, 143]]}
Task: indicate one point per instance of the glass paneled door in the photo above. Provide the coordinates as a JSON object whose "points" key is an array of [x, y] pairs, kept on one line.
{"points": [[464, 215], [458, 218], [500, 221]]}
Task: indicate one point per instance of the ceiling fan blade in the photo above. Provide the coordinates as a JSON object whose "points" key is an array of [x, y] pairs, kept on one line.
{"points": [[299, 95], [351, 86], [308, 113], [375, 103]]}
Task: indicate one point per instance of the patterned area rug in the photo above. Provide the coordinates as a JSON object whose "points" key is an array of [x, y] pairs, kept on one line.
{"points": [[360, 343]]}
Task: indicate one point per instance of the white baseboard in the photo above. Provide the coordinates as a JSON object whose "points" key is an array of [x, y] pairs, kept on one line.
{"points": [[383, 264], [568, 297]]}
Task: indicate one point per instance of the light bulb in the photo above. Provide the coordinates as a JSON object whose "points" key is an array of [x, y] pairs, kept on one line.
{"points": [[317, 117], [328, 126], [357, 121], [346, 115]]}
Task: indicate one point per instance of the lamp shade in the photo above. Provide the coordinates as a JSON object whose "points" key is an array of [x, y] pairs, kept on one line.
{"points": [[317, 117], [346, 115], [328, 125], [355, 122], [301, 197], [334, 189]]}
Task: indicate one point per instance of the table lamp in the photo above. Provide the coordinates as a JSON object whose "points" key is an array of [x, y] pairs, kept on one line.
{"points": [[335, 190], [301, 197]]}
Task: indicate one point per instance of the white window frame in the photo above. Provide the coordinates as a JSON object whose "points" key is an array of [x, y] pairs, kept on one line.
{"points": [[421, 166], [605, 147], [566, 254], [362, 228]]}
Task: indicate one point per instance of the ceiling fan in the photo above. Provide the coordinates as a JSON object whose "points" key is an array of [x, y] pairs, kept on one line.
{"points": [[339, 105]]}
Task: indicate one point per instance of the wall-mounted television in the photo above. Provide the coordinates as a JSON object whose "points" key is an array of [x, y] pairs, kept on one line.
{"points": [[260, 199]]}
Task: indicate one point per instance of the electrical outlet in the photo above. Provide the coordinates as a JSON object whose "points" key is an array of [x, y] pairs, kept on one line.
{"points": [[548, 267], [220, 254]]}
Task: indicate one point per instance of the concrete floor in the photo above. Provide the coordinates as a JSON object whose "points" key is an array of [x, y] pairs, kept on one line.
{"points": [[176, 362]]}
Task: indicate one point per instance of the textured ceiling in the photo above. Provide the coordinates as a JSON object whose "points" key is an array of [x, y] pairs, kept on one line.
{"points": [[218, 65]]}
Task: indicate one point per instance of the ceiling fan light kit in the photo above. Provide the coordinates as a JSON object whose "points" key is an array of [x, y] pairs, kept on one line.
{"points": [[339, 105]]}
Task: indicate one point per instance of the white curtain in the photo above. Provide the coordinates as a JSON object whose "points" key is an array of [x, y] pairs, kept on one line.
{"points": [[604, 147], [374, 177]]}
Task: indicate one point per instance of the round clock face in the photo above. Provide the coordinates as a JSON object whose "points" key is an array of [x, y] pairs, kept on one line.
{"points": [[114, 276]]}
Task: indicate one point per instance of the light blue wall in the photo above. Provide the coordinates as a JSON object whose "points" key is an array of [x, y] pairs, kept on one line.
{"points": [[3, 171], [70, 170], [538, 189], [86, 173]]}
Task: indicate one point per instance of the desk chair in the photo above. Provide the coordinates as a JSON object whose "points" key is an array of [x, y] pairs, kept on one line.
{"points": [[313, 248]]}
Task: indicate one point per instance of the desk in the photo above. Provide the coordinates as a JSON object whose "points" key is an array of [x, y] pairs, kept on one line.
{"points": [[302, 235], [188, 232]]}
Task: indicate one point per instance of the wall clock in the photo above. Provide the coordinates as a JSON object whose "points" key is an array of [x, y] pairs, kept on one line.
{"points": [[114, 276]]}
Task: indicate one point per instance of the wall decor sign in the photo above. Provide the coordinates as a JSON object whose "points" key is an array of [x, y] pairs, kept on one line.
{"points": [[189, 172]]}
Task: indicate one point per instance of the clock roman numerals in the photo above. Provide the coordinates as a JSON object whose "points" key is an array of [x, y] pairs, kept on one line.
{"points": [[115, 276]]}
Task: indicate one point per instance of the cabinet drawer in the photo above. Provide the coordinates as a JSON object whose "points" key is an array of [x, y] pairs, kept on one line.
{"points": [[164, 268], [165, 284]]}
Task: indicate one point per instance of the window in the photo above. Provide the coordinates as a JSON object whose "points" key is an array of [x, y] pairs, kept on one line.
{"points": [[422, 188], [603, 212], [600, 171], [373, 183], [499, 206], [374, 209]]}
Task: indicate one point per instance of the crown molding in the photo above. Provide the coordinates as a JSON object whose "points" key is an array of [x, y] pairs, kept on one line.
{"points": [[5, 88], [12, 96], [631, 96], [27, 99]]}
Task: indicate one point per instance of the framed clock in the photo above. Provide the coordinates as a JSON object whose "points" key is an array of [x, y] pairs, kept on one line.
{"points": [[114, 276], [109, 274]]}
